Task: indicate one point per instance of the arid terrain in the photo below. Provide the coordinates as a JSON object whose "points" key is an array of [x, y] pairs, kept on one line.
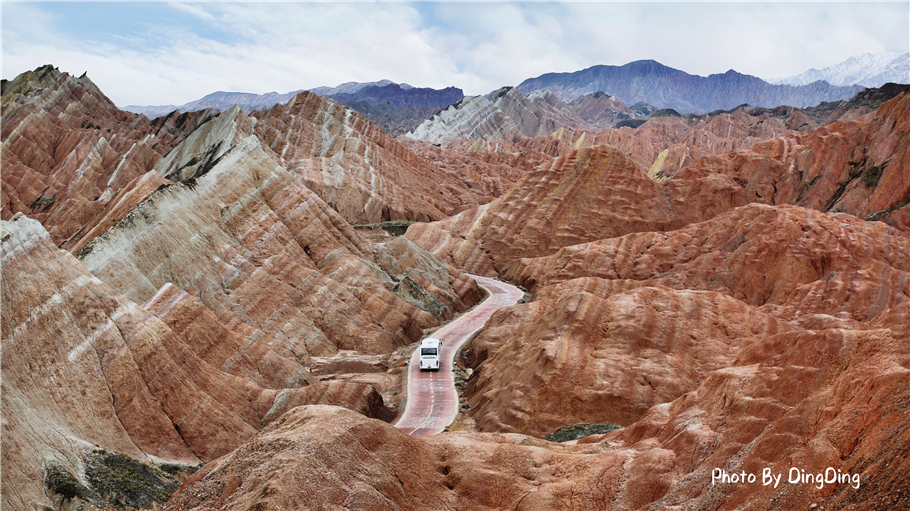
{"points": [[213, 310]]}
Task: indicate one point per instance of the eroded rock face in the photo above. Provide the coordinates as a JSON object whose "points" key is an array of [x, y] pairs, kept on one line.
{"points": [[72, 160], [589, 194], [244, 275], [620, 325], [858, 167], [355, 167], [668, 142], [808, 399], [261, 252], [76, 163], [790, 261], [85, 368], [507, 115], [578, 357], [492, 168]]}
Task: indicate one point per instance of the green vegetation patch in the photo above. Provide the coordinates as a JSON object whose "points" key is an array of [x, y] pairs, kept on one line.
{"points": [[666, 112], [871, 176], [631, 123], [393, 227], [59, 481], [576, 431], [123, 481]]}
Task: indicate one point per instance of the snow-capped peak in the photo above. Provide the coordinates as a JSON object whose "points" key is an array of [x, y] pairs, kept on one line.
{"points": [[866, 69]]}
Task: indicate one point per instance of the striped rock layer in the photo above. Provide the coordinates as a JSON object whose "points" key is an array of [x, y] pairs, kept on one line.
{"points": [[87, 370], [206, 280], [620, 325], [76, 163]]}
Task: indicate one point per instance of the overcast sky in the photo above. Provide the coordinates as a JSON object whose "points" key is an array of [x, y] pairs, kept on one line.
{"points": [[171, 53]]}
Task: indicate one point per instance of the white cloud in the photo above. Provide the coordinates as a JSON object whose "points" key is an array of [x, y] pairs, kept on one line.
{"points": [[196, 49]]}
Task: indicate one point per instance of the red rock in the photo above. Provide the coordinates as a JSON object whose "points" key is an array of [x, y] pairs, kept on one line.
{"points": [[71, 158], [554, 206], [268, 253], [790, 261], [86, 368], [859, 167], [582, 358], [490, 167], [812, 400], [356, 167]]}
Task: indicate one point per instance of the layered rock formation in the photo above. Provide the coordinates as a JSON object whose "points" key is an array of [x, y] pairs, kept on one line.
{"points": [[507, 114], [72, 160], [731, 316], [622, 324], [684, 334], [770, 338], [355, 167], [494, 167], [86, 370], [264, 253], [77, 164], [662, 142], [601, 109], [810, 262], [587, 356], [554, 206], [243, 273], [820, 402], [857, 166]]}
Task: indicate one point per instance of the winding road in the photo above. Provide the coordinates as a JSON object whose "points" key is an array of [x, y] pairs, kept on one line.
{"points": [[432, 400]]}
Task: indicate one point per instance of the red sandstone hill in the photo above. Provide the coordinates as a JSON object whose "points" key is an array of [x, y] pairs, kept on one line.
{"points": [[721, 333], [70, 157], [814, 376], [86, 369], [620, 325], [238, 300], [356, 167], [668, 142], [248, 281], [810, 400], [590, 194], [859, 167], [76, 163]]}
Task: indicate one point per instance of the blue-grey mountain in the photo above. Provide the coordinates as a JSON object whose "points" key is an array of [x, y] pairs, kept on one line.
{"points": [[662, 86]]}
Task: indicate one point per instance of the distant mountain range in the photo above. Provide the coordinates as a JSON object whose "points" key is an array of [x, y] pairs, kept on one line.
{"points": [[866, 69], [249, 102], [507, 114], [400, 108], [651, 82], [395, 107]]}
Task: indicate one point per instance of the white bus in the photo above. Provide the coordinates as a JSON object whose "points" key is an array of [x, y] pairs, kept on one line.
{"points": [[429, 354]]}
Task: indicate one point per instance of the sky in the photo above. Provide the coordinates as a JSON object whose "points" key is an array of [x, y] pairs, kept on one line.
{"points": [[170, 53]]}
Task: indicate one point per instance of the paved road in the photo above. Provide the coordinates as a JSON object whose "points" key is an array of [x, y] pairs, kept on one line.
{"points": [[432, 400]]}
